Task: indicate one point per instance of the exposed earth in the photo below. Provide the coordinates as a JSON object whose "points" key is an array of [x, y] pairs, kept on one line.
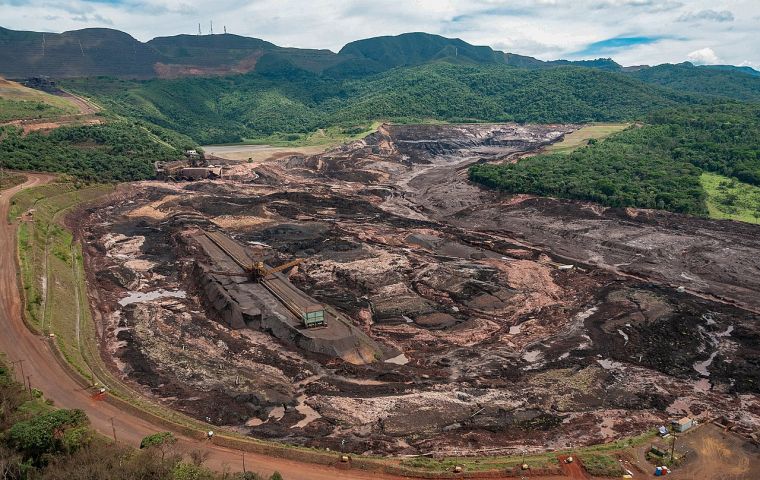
{"points": [[505, 321]]}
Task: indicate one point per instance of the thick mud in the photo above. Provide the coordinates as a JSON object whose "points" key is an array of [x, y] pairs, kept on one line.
{"points": [[519, 322]]}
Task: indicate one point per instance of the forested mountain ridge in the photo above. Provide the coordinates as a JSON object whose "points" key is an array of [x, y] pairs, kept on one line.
{"points": [[108, 52], [280, 98]]}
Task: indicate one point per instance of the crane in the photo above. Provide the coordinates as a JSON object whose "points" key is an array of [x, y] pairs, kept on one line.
{"points": [[258, 270]]}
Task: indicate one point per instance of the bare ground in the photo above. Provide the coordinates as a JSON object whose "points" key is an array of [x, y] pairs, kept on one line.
{"points": [[503, 345]]}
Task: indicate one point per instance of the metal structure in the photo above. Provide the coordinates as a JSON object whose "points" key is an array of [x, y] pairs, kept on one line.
{"points": [[309, 312]]}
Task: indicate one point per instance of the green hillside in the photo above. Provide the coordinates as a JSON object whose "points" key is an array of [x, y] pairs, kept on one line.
{"points": [[410, 49], [91, 52], [273, 100], [654, 166], [116, 151], [739, 84], [107, 52]]}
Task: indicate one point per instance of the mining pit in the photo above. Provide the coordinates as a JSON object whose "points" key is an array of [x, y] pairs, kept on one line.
{"points": [[496, 323]]}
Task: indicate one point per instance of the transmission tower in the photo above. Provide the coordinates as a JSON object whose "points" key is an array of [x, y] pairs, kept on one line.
{"points": [[199, 29], [212, 27]]}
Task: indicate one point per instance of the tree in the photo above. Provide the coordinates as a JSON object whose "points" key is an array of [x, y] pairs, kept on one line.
{"points": [[54, 432], [161, 441]]}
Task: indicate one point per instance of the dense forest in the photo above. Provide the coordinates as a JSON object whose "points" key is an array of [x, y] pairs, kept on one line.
{"points": [[281, 98], [277, 99], [115, 151], [657, 165], [40, 442]]}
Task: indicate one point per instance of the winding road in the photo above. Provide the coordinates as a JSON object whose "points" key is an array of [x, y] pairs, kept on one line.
{"points": [[46, 374]]}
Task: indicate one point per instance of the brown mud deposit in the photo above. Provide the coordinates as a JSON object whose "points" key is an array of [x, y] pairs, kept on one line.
{"points": [[492, 342]]}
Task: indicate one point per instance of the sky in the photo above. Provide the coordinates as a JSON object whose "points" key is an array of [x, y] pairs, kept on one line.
{"points": [[633, 32]]}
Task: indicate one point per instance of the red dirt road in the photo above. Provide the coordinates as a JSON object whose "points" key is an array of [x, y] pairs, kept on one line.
{"points": [[18, 343]]}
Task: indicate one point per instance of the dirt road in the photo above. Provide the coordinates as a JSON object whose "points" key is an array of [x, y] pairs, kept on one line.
{"points": [[39, 363]]}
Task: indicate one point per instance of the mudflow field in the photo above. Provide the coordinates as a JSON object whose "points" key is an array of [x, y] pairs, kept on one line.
{"points": [[486, 339]]}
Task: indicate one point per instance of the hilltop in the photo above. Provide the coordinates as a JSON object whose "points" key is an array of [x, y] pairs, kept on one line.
{"points": [[108, 52]]}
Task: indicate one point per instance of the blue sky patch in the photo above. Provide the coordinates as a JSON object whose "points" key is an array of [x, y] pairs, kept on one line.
{"points": [[612, 45]]}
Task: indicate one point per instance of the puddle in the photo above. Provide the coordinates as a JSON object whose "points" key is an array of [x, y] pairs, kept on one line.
{"points": [[136, 297], [254, 422], [306, 410], [584, 315], [608, 364], [277, 413], [532, 355], [702, 367], [398, 360]]}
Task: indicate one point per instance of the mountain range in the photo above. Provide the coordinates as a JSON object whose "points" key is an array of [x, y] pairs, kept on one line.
{"points": [[107, 52]]}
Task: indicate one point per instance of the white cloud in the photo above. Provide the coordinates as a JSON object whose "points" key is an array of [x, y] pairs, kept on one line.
{"points": [[709, 15], [703, 56]]}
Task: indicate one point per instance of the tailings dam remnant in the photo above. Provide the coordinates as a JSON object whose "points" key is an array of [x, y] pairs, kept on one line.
{"points": [[459, 320]]}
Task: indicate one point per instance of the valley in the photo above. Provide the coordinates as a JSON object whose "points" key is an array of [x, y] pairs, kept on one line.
{"points": [[410, 257]]}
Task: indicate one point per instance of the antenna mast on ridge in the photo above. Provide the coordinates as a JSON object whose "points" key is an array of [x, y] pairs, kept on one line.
{"points": [[225, 29], [212, 27], [199, 29]]}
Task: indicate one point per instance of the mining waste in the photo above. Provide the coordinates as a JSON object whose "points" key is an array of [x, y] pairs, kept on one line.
{"points": [[472, 321]]}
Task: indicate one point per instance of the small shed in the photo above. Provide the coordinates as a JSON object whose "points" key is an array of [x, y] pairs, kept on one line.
{"points": [[683, 424]]}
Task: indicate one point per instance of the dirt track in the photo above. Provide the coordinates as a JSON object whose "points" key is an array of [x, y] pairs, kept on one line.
{"points": [[45, 373]]}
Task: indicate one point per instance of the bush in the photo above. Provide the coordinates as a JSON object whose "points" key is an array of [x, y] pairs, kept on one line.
{"points": [[158, 439], [49, 433]]}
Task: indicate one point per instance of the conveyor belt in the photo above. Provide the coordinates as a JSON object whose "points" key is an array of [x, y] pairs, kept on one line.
{"points": [[231, 248], [291, 297]]}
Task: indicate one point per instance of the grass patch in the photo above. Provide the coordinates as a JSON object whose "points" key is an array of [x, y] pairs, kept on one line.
{"points": [[482, 464], [548, 460], [600, 465], [731, 199], [28, 110], [321, 137], [13, 91], [46, 258], [585, 134]]}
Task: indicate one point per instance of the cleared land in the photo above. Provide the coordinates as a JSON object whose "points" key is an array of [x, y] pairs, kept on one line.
{"points": [[581, 137], [258, 153], [18, 102], [10, 90], [731, 199]]}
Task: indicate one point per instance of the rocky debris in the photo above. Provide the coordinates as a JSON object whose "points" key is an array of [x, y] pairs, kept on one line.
{"points": [[512, 322]]}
